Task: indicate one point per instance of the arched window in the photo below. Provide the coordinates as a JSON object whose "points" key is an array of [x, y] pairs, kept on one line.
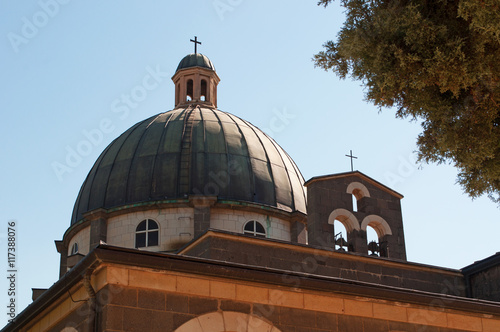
{"points": [[354, 203], [373, 241], [254, 228], [74, 248], [189, 90], [358, 191], [340, 240], [379, 230], [203, 95], [146, 234]]}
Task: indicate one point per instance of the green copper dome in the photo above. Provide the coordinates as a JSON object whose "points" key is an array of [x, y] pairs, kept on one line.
{"points": [[195, 60], [192, 151]]}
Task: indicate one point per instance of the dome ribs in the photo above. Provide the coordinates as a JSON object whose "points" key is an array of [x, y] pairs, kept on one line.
{"points": [[82, 202], [110, 196], [156, 174], [116, 193], [262, 169], [195, 60], [192, 150], [133, 171], [280, 173], [168, 161], [88, 189], [141, 168], [217, 154], [185, 158], [294, 176], [302, 204], [291, 203], [239, 158], [91, 192], [198, 158]]}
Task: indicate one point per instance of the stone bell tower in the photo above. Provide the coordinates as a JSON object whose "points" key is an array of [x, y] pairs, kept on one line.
{"points": [[358, 202]]}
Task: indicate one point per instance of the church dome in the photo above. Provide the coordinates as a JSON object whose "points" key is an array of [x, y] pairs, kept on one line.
{"points": [[195, 60], [192, 150]]}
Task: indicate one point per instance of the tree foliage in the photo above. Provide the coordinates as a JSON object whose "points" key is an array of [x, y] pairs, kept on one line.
{"points": [[433, 60]]}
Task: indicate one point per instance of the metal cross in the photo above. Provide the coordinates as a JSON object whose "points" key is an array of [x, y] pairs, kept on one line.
{"points": [[196, 42], [352, 157]]}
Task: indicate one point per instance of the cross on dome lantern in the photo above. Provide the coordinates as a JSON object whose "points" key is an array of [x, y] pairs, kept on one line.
{"points": [[196, 42]]}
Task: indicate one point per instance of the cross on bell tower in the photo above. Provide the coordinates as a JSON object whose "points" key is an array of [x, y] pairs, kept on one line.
{"points": [[352, 157], [196, 42]]}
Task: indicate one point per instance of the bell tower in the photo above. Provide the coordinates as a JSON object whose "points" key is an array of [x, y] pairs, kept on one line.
{"points": [[195, 80], [358, 202]]}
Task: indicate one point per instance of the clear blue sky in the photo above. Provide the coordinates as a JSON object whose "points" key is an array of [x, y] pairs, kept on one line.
{"points": [[66, 64]]}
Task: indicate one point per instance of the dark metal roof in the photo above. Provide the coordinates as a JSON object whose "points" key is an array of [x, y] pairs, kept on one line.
{"points": [[483, 264], [192, 151], [195, 60]]}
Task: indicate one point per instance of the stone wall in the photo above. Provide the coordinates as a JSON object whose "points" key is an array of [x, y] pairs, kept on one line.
{"points": [[171, 293], [83, 240], [176, 228], [235, 220], [288, 257], [150, 310], [486, 284]]}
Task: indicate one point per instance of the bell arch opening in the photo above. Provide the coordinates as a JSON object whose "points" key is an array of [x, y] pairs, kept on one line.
{"points": [[189, 90], [340, 239], [377, 244], [346, 217], [358, 191], [203, 88]]}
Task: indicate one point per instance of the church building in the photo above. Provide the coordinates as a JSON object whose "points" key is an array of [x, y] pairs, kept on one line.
{"points": [[194, 220]]}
